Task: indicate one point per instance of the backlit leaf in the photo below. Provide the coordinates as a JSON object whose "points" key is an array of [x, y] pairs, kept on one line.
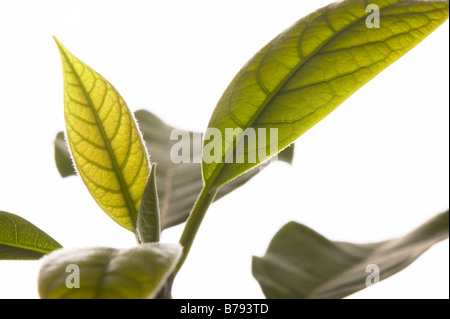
{"points": [[306, 72], [107, 273], [21, 240], [105, 143], [148, 228]]}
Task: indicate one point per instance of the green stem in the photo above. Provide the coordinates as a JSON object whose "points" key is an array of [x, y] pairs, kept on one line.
{"points": [[205, 199]]}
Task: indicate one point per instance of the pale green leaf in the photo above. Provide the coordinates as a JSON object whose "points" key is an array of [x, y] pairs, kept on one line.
{"points": [[107, 273], [148, 228], [306, 72], [21, 240], [178, 183], [301, 263], [104, 141]]}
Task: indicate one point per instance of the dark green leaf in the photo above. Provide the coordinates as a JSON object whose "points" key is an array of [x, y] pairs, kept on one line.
{"points": [[301, 263], [21, 240]]}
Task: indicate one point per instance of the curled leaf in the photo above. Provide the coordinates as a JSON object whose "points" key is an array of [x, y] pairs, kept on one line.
{"points": [[107, 273], [302, 264]]}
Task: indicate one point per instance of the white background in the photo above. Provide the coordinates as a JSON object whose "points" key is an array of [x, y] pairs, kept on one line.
{"points": [[374, 169]]}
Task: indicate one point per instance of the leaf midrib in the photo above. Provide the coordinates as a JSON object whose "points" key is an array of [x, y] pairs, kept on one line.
{"points": [[117, 171]]}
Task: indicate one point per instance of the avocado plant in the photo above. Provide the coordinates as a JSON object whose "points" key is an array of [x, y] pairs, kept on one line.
{"points": [[148, 176]]}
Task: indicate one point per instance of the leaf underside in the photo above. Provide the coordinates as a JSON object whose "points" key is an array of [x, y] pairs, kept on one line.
{"points": [[104, 141], [21, 240], [311, 68], [302, 264]]}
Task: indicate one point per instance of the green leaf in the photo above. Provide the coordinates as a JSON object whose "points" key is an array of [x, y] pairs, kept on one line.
{"points": [[178, 183], [104, 141], [107, 273], [148, 228], [307, 71], [21, 240], [301, 263], [63, 159]]}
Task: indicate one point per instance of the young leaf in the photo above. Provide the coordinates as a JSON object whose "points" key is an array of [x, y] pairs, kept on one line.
{"points": [[21, 240], [178, 183], [301, 263], [310, 69], [104, 141], [148, 228], [107, 273], [63, 159]]}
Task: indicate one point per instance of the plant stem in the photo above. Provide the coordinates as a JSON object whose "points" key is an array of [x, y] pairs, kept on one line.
{"points": [[166, 290], [205, 199]]}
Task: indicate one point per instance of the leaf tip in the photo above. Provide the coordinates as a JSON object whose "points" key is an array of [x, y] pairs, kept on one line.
{"points": [[56, 41], [60, 46]]}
